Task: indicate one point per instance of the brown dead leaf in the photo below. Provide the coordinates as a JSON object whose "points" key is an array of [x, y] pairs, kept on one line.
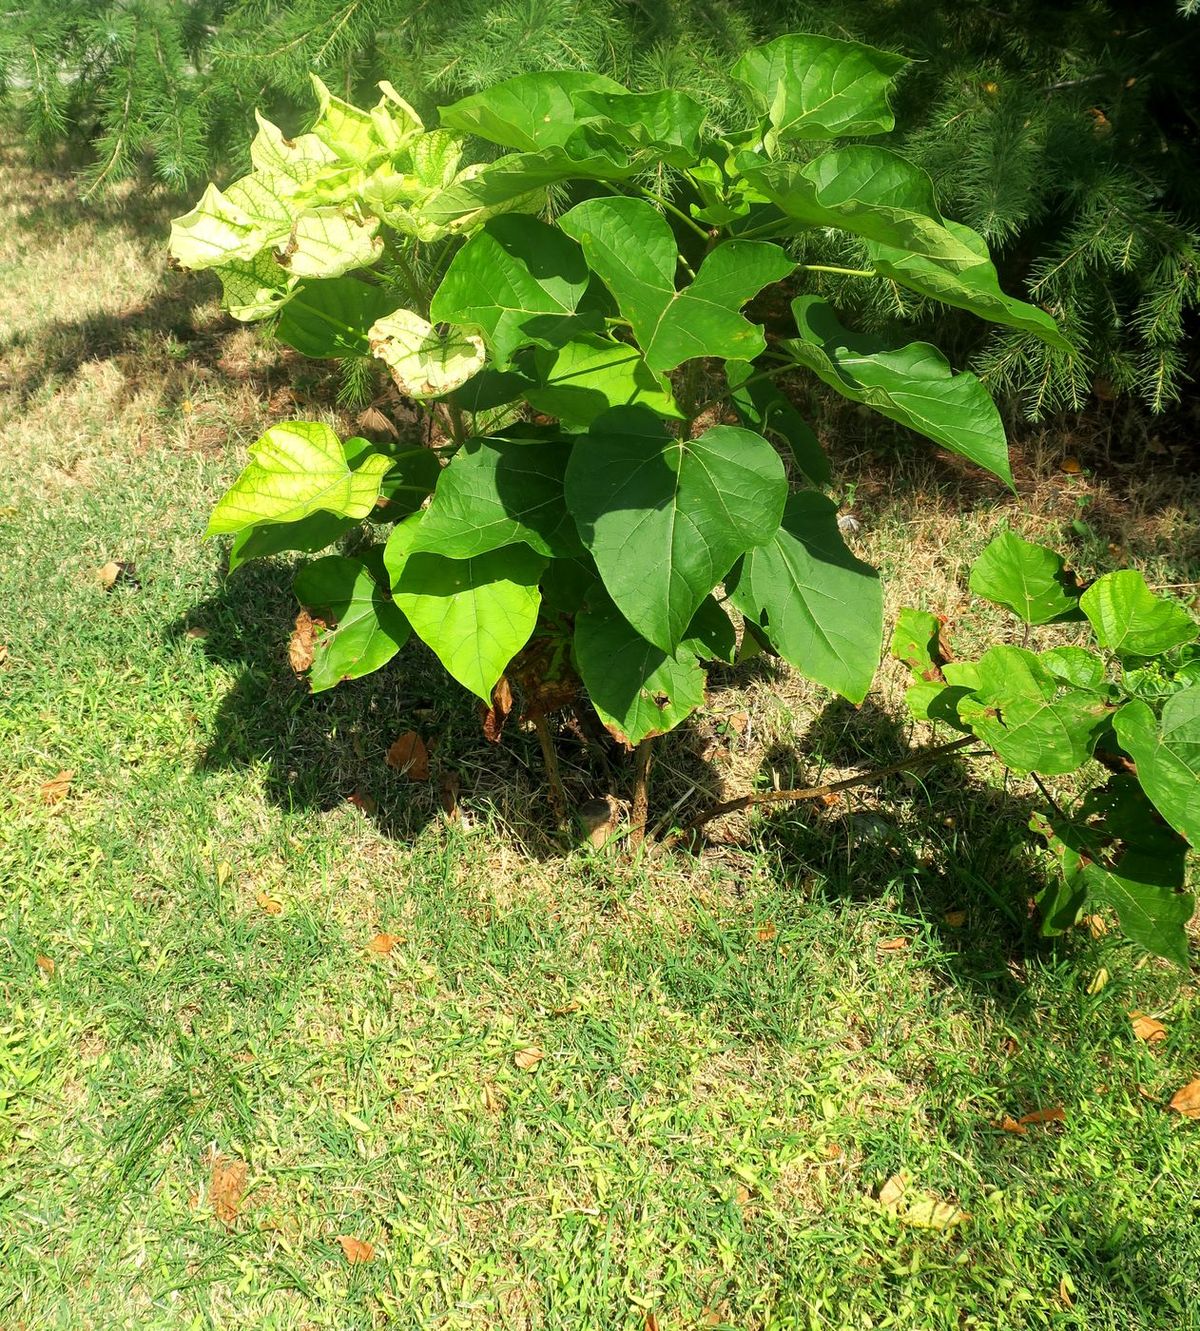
{"points": [[742, 1195], [496, 716], [1187, 1100], [302, 642], [371, 418], [493, 1102], [58, 787], [383, 943], [1147, 1028], [1011, 1125], [3, 653], [1054, 1115], [893, 945], [651, 1322], [955, 919], [45, 965], [1095, 925], [363, 801], [1070, 466], [116, 570], [356, 1250], [528, 1059], [448, 793], [226, 1188], [269, 904], [893, 1190], [1064, 1292], [765, 932], [409, 756]]}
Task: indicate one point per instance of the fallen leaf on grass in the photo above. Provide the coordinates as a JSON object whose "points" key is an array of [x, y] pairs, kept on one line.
{"points": [[1147, 1028], [363, 802], [528, 1059], [224, 869], [383, 943], [920, 1209], [492, 1100], [356, 1250], [226, 1188], [3, 653], [1011, 1125], [197, 632], [765, 932], [448, 793], [893, 1190], [1070, 466], [1095, 925], [409, 756], [1187, 1100], [1099, 980], [116, 570], [892, 945], [45, 965], [58, 787], [1054, 1115], [271, 905], [955, 918]]}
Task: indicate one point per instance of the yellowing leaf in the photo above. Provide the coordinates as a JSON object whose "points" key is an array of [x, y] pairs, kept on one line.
{"points": [[423, 362], [356, 1250], [1099, 980], [1187, 1100], [928, 1212], [1147, 1028], [58, 787], [269, 904], [224, 869], [528, 1059]]}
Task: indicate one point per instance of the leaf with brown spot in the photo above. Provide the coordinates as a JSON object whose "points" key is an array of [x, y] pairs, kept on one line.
{"points": [[45, 965], [1187, 1100], [269, 904], [496, 716], [1147, 1028], [226, 1188], [58, 787], [409, 756], [356, 1250], [528, 1059], [383, 943]]}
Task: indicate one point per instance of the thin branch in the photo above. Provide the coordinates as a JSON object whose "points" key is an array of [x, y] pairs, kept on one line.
{"points": [[914, 762], [675, 212], [833, 268]]}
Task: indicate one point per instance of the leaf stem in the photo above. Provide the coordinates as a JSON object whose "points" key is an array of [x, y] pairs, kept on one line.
{"points": [[676, 212], [833, 268]]}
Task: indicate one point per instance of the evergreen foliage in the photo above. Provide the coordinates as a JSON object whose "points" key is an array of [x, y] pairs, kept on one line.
{"points": [[1066, 135]]}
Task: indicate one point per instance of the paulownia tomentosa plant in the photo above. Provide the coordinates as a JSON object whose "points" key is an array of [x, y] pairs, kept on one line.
{"points": [[1130, 700], [564, 306]]}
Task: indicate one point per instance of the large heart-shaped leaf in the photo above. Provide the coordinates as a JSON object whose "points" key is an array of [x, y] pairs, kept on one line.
{"points": [[518, 282], [368, 629], [665, 518], [295, 469], [1023, 711], [424, 362], [529, 112], [908, 383], [330, 319], [812, 87], [476, 614], [589, 375], [1029, 579], [1167, 754], [890, 202], [1129, 619], [499, 491], [330, 241], [667, 121], [631, 248], [638, 690], [819, 606]]}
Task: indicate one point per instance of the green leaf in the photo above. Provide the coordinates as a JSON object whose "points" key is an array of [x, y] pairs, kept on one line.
{"points": [[711, 635], [930, 701], [1129, 619], [917, 641], [296, 469], [814, 87], [425, 363], [665, 518], [910, 384], [518, 281], [638, 690], [476, 614], [1074, 665], [585, 377], [880, 196], [312, 533], [408, 483], [254, 289], [499, 491], [667, 121], [329, 319], [764, 408], [1028, 579], [369, 630], [1167, 755], [528, 112], [1032, 722], [629, 245], [820, 607]]}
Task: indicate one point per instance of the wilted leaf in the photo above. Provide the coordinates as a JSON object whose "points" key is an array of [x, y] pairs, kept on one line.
{"points": [[45, 965], [356, 1250], [269, 904], [496, 716], [528, 1059], [1147, 1028], [302, 641], [226, 1188], [409, 756], [1187, 1100], [58, 787], [383, 943]]}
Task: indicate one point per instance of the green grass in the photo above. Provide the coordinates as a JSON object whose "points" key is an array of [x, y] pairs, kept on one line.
{"points": [[733, 1064]]}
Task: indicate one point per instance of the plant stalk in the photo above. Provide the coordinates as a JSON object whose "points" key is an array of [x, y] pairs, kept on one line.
{"points": [[558, 793], [639, 813]]}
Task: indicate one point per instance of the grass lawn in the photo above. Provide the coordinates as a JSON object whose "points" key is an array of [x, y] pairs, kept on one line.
{"points": [[578, 1091]]}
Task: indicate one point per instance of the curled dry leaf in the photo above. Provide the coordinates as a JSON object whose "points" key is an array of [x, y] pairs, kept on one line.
{"points": [[893, 945], [227, 1187], [409, 756], [356, 1250], [58, 787], [1056, 1114], [496, 716], [269, 904], [383, 943], [1147, 1028], [528, 1059], [1187, 1100], [302, 643], [45, 965]]}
